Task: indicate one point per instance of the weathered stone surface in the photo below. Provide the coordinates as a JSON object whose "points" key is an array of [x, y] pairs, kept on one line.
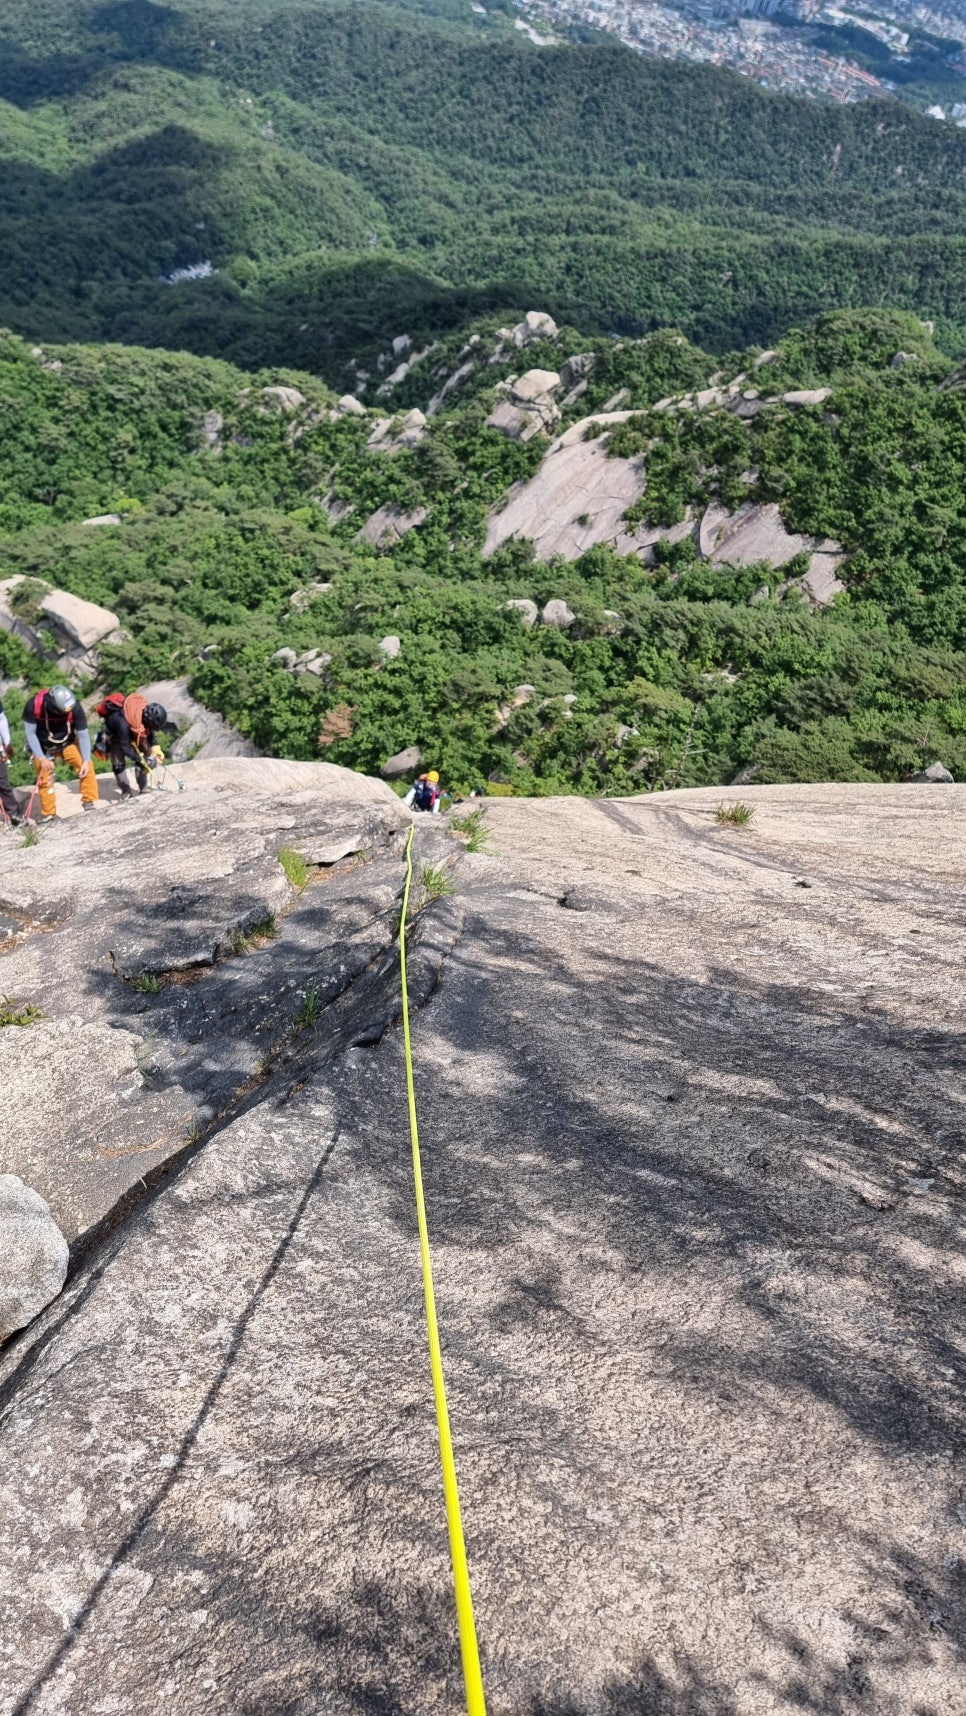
{"points": [[285, 399], [102, 518], [403, 763], [410, 430], [536, 326], [300, 600], [557, 613], [390, 647], [755, 533], [807, 396], [285, 657], [694, 1184], [390, 524], [526, 609], [33, 1251], [84, 623], [204, 734], [109, 1084], [212, 425], [936, 772], [350, 406], [577, 498], [577, 368]]}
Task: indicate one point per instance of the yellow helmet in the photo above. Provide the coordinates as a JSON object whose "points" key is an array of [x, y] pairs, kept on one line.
{"points": [[432, 776]]}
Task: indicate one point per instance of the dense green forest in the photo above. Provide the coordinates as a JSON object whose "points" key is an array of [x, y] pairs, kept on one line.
{"points": [[702, 675], [353, 172]]}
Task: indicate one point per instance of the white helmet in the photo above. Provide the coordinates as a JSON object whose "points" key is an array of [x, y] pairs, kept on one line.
{"points": [[61, 698]]}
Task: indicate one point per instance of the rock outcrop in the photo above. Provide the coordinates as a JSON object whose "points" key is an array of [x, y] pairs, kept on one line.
{"points": [[580, 497], [389, 524], [694, 1186], [76, 625], [33, 1251], [203, 733]]}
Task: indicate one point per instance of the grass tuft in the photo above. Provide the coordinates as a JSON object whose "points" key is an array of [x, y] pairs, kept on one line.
{"points": [[471, 828], [30, 837], [18, 1012], [148, 983], [735, 815], [436, 882], [297, 868], [244, 941], [310, 1011]]}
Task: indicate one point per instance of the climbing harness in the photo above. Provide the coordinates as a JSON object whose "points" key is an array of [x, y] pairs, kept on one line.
{"points": [[472, 1676]]}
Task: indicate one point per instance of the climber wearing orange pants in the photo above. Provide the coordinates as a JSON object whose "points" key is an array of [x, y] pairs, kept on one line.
{"points": [[55, 725]]}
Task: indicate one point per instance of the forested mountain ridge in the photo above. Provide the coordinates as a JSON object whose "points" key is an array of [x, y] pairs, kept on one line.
{"points": [[272, 546], [338, 168]]}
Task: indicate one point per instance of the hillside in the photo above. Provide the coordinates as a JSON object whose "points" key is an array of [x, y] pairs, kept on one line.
{"points": [[336, 167], [347, 582], [688, 1105]]}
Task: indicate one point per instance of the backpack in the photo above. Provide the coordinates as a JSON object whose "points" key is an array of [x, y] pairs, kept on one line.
{"points": [[425, 795]]}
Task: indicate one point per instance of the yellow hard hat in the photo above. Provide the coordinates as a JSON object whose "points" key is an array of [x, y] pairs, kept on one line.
{"points": [[432, 776]]}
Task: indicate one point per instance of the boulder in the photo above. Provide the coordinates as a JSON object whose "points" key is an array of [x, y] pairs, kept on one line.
{"points": [[83, 623], [557, 613], [103, 518], [285, 658], [530, 408], [403, 763], [211, 427], [318, 665], [577, 368], [33, 1255], [807, 396], [389, 525], [526, 609], [350, 406], [302, 599], [412, 429], [533, 385], [936, 773], [902, 358], [389, 647], [536, 326], [283, 398]]}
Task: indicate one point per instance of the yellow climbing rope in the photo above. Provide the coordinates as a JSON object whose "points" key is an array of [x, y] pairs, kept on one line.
{"points": [[472, 1677]]}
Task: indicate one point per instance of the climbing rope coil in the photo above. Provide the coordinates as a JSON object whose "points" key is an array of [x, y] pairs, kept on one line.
{"points": [[469, 1649]]}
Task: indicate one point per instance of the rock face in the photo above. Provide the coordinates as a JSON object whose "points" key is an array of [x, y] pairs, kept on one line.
{"points": [[390, 524], [33, 1251], [134, 926], [403, 763], [77, 625], [694, 1188], [577, 498], [580, 497], [411, 429], [204, 733], [284, 399], [85, 624]]}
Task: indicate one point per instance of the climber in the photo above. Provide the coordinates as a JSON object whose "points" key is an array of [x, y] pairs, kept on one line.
{"points": [[129, 733], [55, 725], [8, 800], [426, 794]]}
